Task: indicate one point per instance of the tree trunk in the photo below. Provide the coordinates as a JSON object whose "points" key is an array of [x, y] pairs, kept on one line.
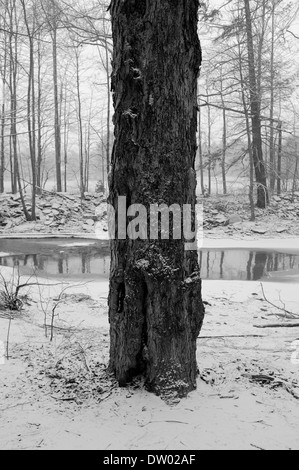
{"points": [[224, 145], [39, 121], [209, 145], [31, 118], [224, 136], [279, 157], [257, 146], [80, 125], [103, 159], [66, 118], [87, 150], [3, 124], [108, 105], [13, 52], [202, 184], [2, 151], [4, 91], [294, 185], [3, 71], [23, 202], [248, 131], [155, 306], [272, 91], [56, 109], [261, 24]]}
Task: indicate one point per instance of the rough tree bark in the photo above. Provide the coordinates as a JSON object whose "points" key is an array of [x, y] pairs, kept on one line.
{"points": [[155, 306]]}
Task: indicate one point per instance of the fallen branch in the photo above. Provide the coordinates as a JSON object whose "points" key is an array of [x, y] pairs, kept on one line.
{"points": [[274, 382], [291, 391], [69, 329], [166, 421], [287, 313], [107, 396], [64, 399], [263, 378], [278, 325], [14, 406], [31, 284], [51, 193], [231, 336]]}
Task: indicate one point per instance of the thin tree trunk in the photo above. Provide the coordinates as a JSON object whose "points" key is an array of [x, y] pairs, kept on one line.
{"points": [[108, 106], [155, 306], [65, 138], [103, 160], [80, 127], [4, 91], [56, 109], [13, 44], [39, 121], [295, 174], [257, 150], [271, 141], [31, 117], [201, 170], [279, 157], [65, 165], [23, 202], [3, 120], [261, 40], [87, 151], [223, 161], [248, 131], [209, 148], [33, 114], [2, 151]]}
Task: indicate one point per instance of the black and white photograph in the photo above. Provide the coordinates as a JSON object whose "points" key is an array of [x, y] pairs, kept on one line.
{"points": [[149, 227]]}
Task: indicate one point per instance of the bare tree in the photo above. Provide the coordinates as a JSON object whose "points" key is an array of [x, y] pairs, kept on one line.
{"points": [[3, 71], [52, 13], [257, 148]]}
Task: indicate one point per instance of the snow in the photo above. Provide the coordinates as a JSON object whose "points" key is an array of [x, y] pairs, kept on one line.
{"points": [[289, 245], [226, 411]]}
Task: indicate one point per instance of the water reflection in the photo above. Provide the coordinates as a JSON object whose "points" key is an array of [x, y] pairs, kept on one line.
{"points": [[94, 260], [246, 265], [53, 258]]}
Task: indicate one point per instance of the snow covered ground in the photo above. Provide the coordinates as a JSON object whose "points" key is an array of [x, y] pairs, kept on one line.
{"points": [[56, 395]]}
